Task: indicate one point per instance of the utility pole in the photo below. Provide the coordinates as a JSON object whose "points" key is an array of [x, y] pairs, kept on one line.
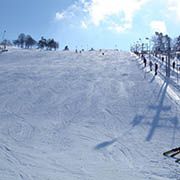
{"points": [[177, 68], [148, 47], [142, 48], [3, 38], [135, 47], [168, 62]]}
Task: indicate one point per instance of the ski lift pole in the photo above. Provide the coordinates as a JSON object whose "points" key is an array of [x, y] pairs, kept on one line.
{"points": [[148, 47], [168, 65], [177, 67], [177, 75], [3, 38]]}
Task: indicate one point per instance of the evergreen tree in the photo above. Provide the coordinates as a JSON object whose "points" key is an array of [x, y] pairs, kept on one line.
{"points": [[29, 41], [176, 46], [21, 39], [16, 42], [158, 44], [42, 43]]}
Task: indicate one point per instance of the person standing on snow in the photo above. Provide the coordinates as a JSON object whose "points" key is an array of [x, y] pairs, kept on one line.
{"points": [[173, 64], [142, 57], [162, 59], [156, 68], [150, 65], [145, 61]]}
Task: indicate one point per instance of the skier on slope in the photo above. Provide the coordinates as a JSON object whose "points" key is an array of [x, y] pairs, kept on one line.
{"points": [[142, 57], [145, 61], [156, 68], [150, 65], [173, 64], [162, 59]]}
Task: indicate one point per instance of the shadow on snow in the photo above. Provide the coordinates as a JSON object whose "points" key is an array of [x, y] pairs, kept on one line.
{"points": [[159, 108], [104, 144]]}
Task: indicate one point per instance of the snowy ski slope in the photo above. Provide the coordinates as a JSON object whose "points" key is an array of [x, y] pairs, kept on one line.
{"points": [[68, 116]]}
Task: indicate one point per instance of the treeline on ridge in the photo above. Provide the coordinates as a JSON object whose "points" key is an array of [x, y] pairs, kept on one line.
{"points": [[26, 41]]}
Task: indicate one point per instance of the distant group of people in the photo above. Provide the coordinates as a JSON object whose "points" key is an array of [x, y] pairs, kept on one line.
{"points": [[150, 64], [174, 65]]}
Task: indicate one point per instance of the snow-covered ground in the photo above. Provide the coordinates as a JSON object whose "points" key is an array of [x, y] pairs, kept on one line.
{"points": [[68, 116]]}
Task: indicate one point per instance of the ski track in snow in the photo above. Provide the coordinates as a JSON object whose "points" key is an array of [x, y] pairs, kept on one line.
{"points": [[84, 116]]}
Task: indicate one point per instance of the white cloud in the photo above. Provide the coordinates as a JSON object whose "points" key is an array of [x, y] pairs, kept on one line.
{"points": [[118, 15], [158, 26], [174, 8], [59, 16], [100, 10], [83, 25], [76, 9], [120, 28]]}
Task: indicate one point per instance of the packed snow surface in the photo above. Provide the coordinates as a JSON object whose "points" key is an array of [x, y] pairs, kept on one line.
{"points": [[88, 116]]}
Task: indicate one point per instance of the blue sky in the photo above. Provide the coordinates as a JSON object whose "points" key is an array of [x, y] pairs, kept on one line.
{"points": [[90, 23]]}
